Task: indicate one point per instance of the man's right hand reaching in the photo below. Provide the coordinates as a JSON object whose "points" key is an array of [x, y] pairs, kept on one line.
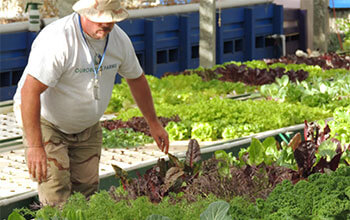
{"points": [[30, 109], [37, 163]]}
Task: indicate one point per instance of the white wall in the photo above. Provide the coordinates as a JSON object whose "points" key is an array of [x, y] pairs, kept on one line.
{"points": [[288, 3]]}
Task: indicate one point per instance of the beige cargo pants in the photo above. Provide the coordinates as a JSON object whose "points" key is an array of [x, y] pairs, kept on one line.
{"points": [[72, 163]]}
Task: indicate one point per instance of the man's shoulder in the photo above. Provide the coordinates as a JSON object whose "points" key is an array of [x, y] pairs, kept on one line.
{"points": [[118, 32], [120, 37], [57, 33], [60, 26]]}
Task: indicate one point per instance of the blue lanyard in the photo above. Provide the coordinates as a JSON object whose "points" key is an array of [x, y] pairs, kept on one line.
{"points": [[103, 56]]}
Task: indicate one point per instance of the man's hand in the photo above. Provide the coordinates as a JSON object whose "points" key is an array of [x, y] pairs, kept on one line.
{"points": [[161, 137], [142, 95], [37, 163]]}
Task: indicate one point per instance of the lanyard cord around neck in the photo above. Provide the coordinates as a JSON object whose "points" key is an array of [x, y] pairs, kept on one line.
{"points": [[103, 55]]}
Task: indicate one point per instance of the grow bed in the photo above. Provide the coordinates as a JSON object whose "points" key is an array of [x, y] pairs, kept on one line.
{"points": [[134, 160]]}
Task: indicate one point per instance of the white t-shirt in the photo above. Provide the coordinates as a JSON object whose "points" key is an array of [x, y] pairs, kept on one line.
{"points": [[61, 59]]}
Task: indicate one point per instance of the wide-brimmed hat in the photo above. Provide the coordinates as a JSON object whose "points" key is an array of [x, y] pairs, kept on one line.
{"points": [[101, 11]]}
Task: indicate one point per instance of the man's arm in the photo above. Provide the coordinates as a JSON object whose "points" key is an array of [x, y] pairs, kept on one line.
{"points": [[142, 95], [30, 109]]}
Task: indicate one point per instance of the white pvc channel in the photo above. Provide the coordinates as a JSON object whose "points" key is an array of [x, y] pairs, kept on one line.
{"points": [[147, 12]]}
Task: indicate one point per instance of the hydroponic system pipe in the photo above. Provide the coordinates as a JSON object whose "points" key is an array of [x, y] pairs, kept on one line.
{"points": [[147, 12], [283, 41], [21, 26], [175, 9]]}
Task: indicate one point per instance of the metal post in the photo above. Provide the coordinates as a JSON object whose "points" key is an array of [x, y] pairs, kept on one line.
{"points": [[309, 6], [207, 26], [321, 25]]}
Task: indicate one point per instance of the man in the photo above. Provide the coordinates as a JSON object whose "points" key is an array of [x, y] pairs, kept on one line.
{"points": [[66, 88]]}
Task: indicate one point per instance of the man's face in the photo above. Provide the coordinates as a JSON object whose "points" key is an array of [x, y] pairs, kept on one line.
{"points": [[96, 30]]}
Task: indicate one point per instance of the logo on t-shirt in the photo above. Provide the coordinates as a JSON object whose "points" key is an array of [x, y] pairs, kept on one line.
{"points": [[90, 69]]}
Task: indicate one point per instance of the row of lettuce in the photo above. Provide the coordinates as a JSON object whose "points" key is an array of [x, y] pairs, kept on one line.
{"points": [[286, 201], [207, 114]]}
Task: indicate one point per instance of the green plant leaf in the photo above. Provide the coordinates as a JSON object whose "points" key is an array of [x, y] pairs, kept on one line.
{"points": [[283, 81], [269, 142], [256, 152], [216, 211], [271, 151], [15, 216], [327, 149], [220, 154]]}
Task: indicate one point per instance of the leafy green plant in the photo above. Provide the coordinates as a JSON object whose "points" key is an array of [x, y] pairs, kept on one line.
{"points": [[316, 93], [286, 154], [175, 90], [314, 154], [76, 215], [321, 196], [204, 131], [340, 129], [124, 137], [208, 119], [206, 116], [226, 161], [50, 213], [268, 152], [312, 69], [317, 153], [340, 125], [15, 216], [178, 130], [165, 176], [344, 27], [217, 210]]}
